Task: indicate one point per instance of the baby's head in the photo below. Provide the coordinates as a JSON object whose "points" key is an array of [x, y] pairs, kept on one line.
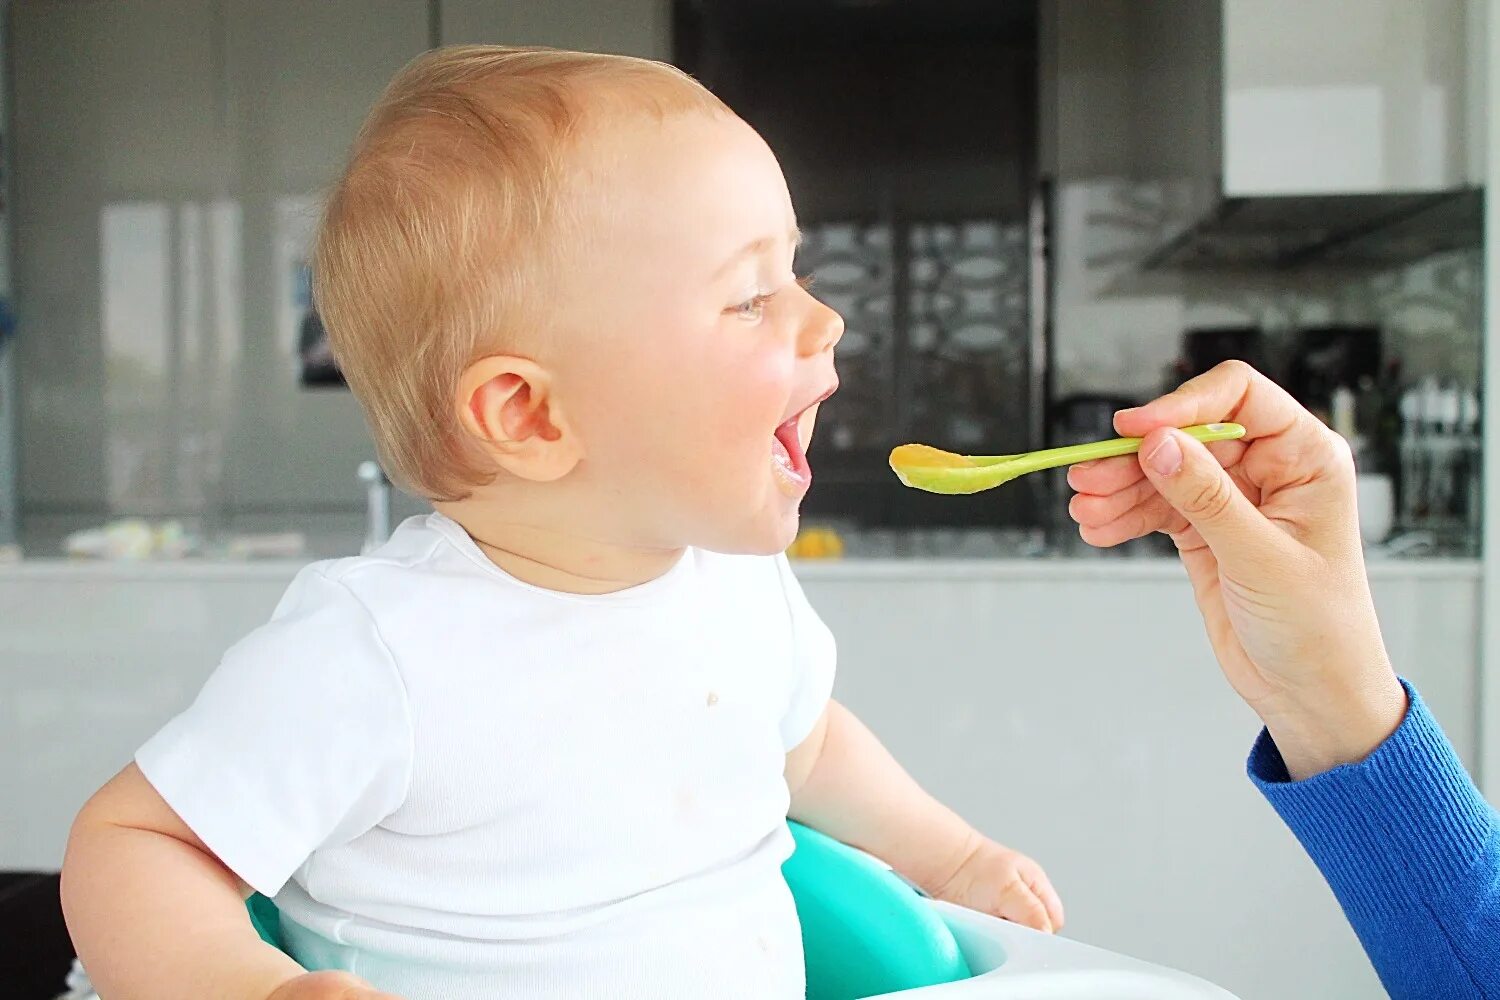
{"points": [[561, 286]]}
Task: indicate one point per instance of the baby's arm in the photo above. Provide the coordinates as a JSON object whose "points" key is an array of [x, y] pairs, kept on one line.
{"points": [[846, 784], [156, 916]]}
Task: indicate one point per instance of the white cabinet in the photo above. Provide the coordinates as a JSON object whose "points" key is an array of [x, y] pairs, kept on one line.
{"points": [[1266, 97], [1344, 96]]}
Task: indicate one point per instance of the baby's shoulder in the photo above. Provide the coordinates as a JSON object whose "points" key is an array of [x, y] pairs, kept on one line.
{"points": [[420, 558], [418, 545], [409, 578]]}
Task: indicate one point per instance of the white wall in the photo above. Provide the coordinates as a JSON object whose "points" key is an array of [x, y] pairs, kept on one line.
{"points": [[1072, 709]]}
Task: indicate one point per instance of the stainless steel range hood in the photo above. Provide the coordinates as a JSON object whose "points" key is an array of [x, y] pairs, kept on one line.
{"points": [[1336, 131], [1288, 231]]}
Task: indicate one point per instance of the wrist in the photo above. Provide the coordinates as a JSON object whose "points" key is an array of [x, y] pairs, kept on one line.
{"points": [[935, 872], [1336, 724]]}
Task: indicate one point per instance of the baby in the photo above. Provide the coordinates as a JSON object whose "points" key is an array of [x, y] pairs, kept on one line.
{"points": [[545, 741]]}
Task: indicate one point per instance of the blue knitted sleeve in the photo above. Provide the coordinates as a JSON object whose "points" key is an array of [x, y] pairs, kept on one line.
{"points": [[1411, 850]]}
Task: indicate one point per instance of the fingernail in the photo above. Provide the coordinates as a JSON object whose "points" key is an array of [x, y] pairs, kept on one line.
{"points": [[1166, 458], [1087, 465], [1127, 411]]}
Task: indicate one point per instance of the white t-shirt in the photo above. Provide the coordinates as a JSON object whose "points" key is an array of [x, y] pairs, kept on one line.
{"points": [[462, 786]]}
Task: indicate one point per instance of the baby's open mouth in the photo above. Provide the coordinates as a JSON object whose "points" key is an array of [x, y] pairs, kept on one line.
{"points": [[788, 456]]}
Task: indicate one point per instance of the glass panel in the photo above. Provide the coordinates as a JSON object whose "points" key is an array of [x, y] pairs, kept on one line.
{"points": [[136, 261], [968, 347], [165, 202]]}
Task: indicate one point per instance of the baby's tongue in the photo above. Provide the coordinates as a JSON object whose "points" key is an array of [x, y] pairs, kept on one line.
{"points": [[779, 452]]}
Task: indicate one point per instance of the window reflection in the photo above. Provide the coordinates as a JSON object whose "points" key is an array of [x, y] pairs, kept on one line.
{"points": [[172, 330]]}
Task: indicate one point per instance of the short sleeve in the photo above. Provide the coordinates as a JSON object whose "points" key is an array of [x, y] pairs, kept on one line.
{"points": [[815, 656], [300, 739]]}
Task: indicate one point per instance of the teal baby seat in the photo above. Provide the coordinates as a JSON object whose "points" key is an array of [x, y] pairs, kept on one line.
{"points": [[865, 932]]}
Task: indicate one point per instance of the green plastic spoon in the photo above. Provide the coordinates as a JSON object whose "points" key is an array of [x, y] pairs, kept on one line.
{"points": [[923, 467]]}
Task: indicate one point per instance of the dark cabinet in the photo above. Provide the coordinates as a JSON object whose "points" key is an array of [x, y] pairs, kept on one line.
{"points": [[908, 136]]}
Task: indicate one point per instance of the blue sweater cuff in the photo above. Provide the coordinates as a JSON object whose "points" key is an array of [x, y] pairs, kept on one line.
{"points": [[1409, 808]]}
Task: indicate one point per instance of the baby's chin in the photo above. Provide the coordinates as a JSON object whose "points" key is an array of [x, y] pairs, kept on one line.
{"points": [[742, 509], [766, 532]]}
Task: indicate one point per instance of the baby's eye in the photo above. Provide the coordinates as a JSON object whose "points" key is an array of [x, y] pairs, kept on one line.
{"points": [[753, 308]]}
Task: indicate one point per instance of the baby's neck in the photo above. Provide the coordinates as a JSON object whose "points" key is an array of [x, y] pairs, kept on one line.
{"points": [[564, 561]]}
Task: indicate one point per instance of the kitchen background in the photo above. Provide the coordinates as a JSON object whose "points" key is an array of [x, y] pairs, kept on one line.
{"points": [[991, 192], [1030, 213]]}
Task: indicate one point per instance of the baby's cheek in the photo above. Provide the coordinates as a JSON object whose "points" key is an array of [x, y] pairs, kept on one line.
{"points": [[763, 383], [703, 421], [748, 414]]}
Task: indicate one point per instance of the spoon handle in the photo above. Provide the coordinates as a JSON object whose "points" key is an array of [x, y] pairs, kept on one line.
{"points": [[1056, 458]]}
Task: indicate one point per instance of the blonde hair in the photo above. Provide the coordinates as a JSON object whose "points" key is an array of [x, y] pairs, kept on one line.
{"points": [[435, 240]]}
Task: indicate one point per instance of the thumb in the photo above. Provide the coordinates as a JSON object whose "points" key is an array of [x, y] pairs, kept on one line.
{"points": [[1193, 482]]}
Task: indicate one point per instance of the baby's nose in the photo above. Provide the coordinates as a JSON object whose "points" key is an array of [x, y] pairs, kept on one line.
{"points": [[823, 330]]}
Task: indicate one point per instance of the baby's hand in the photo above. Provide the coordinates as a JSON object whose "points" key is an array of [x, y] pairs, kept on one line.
{"points": [[997, 880], [328, 986]]}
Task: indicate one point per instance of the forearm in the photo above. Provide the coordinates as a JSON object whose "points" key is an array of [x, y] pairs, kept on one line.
{"points": [[1411, 850], [155, 918], [855, 791]]}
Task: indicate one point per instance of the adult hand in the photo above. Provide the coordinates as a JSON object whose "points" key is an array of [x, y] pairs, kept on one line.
{"points": [[1268, 530]]}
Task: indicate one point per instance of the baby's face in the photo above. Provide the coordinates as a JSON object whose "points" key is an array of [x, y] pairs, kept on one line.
{"points": [[692, 362]]}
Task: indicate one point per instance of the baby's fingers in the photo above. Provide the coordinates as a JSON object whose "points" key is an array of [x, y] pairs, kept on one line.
{"points": [[1041, 886], [1020, 904]]}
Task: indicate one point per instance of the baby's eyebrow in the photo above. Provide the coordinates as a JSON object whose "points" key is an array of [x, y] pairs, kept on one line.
{"points": [[760, 246]]}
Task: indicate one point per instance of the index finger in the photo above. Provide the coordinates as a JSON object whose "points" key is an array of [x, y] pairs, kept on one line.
{"points": [[1232, 391]]}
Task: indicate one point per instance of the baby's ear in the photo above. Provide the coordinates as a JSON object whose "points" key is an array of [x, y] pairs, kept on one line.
{"points": [[509, 406]]}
